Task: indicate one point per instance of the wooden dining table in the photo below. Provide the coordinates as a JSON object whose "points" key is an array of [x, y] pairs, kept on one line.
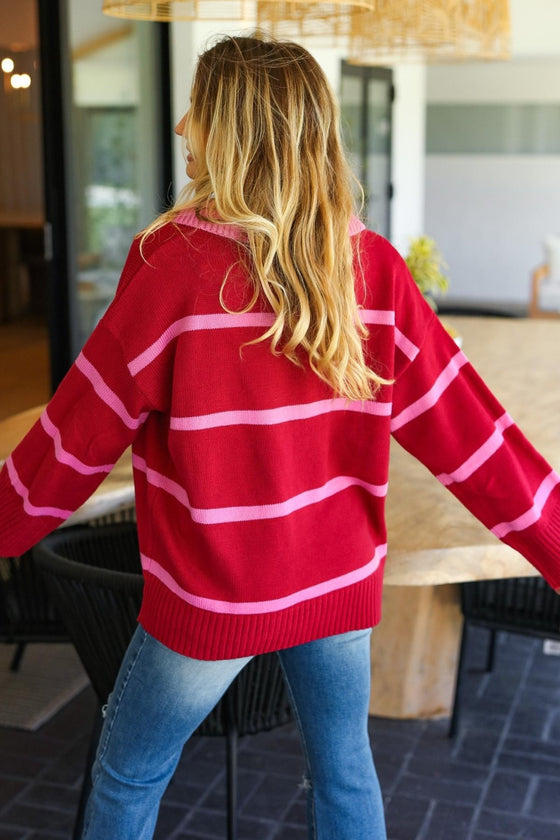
{"points": [[434, 543]]}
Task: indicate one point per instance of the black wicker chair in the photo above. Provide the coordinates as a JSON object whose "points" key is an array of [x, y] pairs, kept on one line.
{"points": [[517, 605], [27, 614], [94, 579]]}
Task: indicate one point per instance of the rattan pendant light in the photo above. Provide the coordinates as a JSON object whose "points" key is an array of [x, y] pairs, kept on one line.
{"points": [[431, 30], [243, 10], [169, 10], [316, 20], [397, 30]]}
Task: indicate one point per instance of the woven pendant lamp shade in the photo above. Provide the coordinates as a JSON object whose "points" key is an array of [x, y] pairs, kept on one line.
{"points": [[313, 19], [167, 10], [178, 9], [431, 30]]}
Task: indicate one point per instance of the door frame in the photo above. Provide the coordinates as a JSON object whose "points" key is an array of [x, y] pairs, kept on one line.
{"points": [[367, 74]]}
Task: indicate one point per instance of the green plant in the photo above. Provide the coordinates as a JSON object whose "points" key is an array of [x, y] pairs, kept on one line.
{"points": [[426, 264]]}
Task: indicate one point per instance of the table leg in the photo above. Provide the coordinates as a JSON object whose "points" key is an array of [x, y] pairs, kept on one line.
{"points": [[414, 651]]}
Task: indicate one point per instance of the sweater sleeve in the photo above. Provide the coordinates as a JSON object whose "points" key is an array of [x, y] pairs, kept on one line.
{"points": [[92, 418], [445, 415]]}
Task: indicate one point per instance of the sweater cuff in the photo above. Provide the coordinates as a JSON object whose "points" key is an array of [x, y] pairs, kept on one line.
{"points": [[18, 531], [546, 552]]}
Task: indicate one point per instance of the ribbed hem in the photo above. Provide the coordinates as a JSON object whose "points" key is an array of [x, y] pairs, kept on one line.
{"points": [[201, 634], [540, 543]]}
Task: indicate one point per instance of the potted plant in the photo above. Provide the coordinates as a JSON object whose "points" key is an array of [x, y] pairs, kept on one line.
{"points": [[427, 266]]}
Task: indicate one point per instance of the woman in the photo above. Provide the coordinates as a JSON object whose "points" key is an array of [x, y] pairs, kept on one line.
{"points": [[261, 348]]}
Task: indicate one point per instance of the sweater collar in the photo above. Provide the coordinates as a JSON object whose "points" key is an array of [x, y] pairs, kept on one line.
{"points": [[189, 217]]}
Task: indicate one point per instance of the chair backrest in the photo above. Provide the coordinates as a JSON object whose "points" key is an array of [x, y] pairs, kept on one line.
{"points": [[26, 613], [522, 605], [94, 578]]}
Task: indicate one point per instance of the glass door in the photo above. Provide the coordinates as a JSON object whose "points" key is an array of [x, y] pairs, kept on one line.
{"points": [[366, 101], [24, 345], [116, 132], [107, 156]]}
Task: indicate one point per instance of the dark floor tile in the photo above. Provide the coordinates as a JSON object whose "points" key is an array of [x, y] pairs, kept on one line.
{"points": [[10, 788], [297, 812], [47, 835], [389, 769], [290, 832], [507, 792], [69, 768], [477, 746], [186, 795], [449, 821], [51, 796], [516, 826], [208, 824], [170, 820], [546, 801], [13, 834], [216, 796], [256, 829], [438, 789], [282, 765], [453, 771], [529, 722], [554, 731], [532, 765], [28, 816], [271, 798], [534, 747], [405, 816]]}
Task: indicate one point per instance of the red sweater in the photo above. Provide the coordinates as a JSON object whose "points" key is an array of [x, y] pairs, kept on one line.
{"points": [[260, 498]]}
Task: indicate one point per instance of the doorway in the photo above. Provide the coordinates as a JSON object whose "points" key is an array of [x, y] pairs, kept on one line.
{"points": [[86, 163], [366, 98], [24, 341]]}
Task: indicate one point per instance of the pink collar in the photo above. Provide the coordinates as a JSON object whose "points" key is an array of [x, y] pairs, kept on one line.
{"points": [[189, 217]]}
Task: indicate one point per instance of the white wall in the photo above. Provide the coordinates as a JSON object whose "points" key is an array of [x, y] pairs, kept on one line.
{"points": [[188, 39], [491, 214], [535, 27]]}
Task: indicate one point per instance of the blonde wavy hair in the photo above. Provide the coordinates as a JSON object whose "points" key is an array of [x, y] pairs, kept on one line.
{"points": [[263, 128]]}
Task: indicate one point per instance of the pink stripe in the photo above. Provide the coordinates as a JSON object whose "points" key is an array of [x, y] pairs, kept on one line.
{"points": [[249, 513], [192, 323], [65, 457], [21, 490], [273, 416], [226, 320], [405, 345], [534, 513], [377, 316], [107, 394], [259, 607], [482, 454], [431, 397]]}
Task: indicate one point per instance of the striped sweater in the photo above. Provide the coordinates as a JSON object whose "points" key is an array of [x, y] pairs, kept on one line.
{"points": [[260, 497]]}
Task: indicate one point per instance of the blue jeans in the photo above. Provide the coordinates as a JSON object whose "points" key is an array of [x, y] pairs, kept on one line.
{"points": [[160, 698]]}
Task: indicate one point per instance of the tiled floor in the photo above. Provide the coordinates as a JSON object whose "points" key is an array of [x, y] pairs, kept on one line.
{"points": [[499, 780]]}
